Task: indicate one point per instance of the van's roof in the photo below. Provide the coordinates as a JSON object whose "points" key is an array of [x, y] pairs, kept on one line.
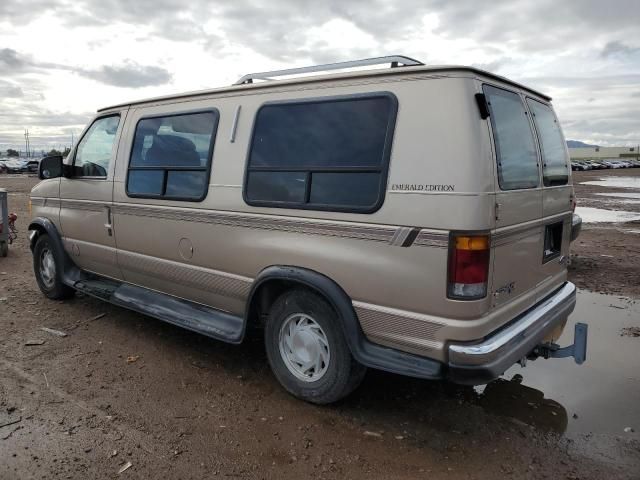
{"points": [[404, 70]]}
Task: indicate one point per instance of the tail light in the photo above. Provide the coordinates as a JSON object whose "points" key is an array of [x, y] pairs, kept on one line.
{"points": [[468, 267]]}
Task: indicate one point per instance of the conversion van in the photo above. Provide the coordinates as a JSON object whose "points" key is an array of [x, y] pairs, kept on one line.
{"points": [[414, 219]]}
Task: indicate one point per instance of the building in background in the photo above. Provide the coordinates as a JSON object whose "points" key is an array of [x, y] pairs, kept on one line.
{"points": [[594, 153]]}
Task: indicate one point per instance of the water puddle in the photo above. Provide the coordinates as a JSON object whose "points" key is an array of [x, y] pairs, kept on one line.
{"points": [[621, 195], [615, 182], [599, 215], [600, 396]]}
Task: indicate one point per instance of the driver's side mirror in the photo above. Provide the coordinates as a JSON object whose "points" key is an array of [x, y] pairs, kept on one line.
{"points": [[50, 167]]}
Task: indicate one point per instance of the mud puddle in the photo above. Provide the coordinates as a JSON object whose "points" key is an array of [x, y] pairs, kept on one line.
{"points": [[599, 215], [615, 182], [629, 195], [574, 400]]}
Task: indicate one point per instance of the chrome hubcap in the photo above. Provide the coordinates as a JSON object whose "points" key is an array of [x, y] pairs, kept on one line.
{"points": [[304, 347], [47, 268]]}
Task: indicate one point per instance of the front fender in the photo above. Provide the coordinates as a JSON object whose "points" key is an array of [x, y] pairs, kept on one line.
{"points": [[43, 226]]}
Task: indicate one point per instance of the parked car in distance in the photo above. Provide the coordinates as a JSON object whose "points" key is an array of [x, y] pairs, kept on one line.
{"points": [[580, 166], [327, 220], [32, 166], [597, 165], [16, 165]]}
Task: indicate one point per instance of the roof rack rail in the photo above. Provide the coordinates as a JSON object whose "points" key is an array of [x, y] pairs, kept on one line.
{"points": [[394, 60]]}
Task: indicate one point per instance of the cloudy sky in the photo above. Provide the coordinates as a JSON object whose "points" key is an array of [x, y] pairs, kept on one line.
{"points": [[60, 60]]}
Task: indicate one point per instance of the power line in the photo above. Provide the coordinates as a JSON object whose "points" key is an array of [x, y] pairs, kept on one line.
{"points": [[26, 143]]}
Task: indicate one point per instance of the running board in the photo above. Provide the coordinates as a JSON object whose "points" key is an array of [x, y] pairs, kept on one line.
{"points": [[183, 313]]}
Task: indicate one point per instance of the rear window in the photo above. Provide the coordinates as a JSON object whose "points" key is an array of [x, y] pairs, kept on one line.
{"points": [[555, 168], [171, 156], [515, 148], [322, 154]]}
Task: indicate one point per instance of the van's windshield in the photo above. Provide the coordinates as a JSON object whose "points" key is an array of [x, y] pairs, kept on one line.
{"points": [[515, 148]]}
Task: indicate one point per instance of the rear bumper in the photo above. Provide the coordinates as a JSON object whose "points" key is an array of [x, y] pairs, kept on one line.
{"points": [[576, 226], [480, 362]]}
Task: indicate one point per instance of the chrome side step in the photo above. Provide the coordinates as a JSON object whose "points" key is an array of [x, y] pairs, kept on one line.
{"points": [[183, 313]]}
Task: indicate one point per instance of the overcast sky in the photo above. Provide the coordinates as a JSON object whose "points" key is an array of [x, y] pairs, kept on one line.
{"points": [[61, 60]]}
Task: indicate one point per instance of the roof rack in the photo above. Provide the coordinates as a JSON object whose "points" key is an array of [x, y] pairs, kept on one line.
{"points": [[394, 60]]}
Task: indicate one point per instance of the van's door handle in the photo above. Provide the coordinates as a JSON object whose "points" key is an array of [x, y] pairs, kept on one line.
{"points": [[108, 224]]}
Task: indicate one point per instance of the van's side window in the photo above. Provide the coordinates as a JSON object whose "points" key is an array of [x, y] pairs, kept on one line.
{"points": [[513, 139], [555, 169], [322, 154], [171, 156], [95, 150]]}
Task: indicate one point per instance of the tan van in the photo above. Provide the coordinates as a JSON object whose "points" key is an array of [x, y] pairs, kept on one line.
{"points": [[413, 219]]}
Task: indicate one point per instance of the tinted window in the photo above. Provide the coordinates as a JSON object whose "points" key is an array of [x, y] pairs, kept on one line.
{"points": [[186, 184], [321, 154], [277, 186], [513, 139], [146, 182], [171, 156], [95, 150], [554, 155], [358, 189]]}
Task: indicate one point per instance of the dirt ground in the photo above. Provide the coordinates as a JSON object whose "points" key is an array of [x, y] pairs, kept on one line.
{"points": [[606, 256], [123, 388]]}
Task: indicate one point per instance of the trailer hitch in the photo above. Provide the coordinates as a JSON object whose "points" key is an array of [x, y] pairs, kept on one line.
{"points": [[578, 350]]}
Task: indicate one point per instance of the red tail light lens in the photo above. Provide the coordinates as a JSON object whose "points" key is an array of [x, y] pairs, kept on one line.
{"points": [[468, 267]]}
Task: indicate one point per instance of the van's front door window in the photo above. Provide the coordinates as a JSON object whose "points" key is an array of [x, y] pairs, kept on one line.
{"points": [[94, 151]]}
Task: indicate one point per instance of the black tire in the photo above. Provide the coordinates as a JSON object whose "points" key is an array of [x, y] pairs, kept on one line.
{"points": [[342, 373], [52, 286]]}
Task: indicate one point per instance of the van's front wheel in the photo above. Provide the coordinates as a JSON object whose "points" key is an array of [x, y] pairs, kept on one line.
{"points": [[48, 267], [307, 350]]}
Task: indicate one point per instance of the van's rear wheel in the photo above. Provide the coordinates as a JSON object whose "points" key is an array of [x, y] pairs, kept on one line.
{"points": [[48, 268], [307, 350]]}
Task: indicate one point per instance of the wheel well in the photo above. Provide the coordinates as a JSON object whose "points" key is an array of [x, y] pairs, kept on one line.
{"points": [[273, 281], [38, 228], [266, 294]]}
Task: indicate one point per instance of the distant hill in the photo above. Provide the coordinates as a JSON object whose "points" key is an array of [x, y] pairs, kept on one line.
{"points": [[578, 144]]}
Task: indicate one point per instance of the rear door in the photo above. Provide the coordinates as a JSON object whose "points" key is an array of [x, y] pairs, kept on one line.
{"points": [[518, 237], [556, 195]]}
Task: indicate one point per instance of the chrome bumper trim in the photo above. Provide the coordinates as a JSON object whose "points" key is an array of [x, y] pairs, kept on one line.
{"points": [[494, 355]]}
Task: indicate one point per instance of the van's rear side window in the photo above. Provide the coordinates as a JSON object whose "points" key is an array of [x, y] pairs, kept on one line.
{"points": [[329, 154], [555, 168], [515, 148], [171, 156]]}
